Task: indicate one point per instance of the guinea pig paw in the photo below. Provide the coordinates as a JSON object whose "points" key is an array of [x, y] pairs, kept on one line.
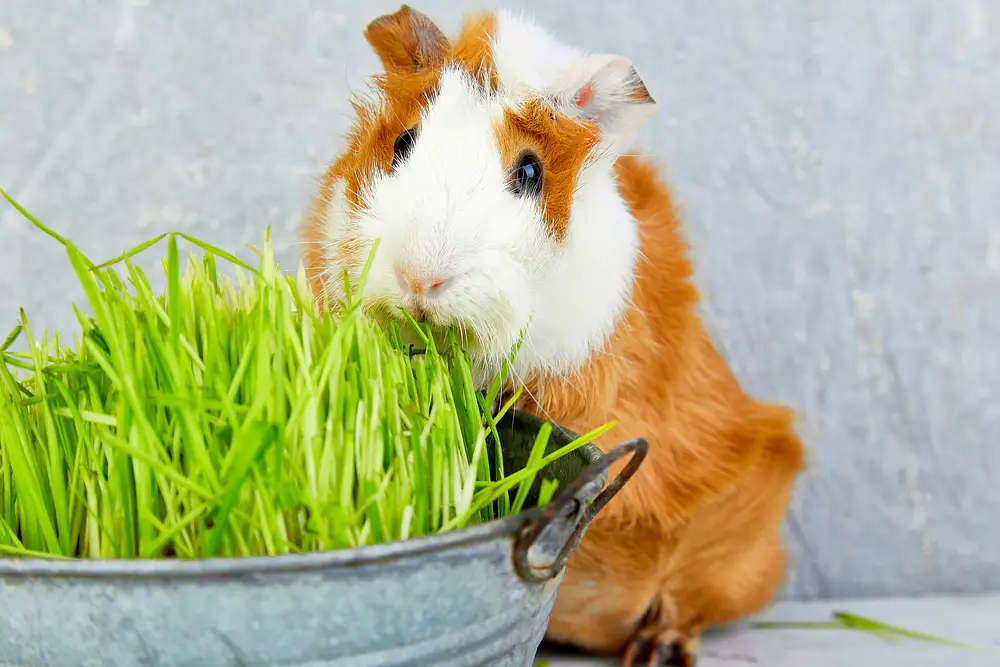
{"points": [[662, 649]]}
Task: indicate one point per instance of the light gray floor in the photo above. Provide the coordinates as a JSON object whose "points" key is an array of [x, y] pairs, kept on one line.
{"points": [[968, 620]]}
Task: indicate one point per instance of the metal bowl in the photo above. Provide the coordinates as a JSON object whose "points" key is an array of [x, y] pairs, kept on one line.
{"points": [[474, 597]]}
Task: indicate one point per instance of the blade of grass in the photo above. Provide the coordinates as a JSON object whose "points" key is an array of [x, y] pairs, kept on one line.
{"points": [[37, 223], [142, 247], [11, 337], [847, 621]]}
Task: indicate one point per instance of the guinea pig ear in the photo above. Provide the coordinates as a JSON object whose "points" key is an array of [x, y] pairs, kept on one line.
{"points": [[606, 90], [407, 41]]}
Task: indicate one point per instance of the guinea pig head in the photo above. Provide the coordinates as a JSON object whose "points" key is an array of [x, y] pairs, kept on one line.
{"points": [[483, 167]]}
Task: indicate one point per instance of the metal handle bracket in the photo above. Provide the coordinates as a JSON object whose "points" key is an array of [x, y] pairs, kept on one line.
{"points": [[571, 494]]}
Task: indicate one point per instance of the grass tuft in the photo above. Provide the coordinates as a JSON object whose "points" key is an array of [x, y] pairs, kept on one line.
{"points": [[229, 417]]}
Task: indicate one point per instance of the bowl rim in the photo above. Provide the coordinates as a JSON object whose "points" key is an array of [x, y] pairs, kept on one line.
{"points": [[353, 557]]}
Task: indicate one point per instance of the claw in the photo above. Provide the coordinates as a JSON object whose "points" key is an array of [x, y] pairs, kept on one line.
{"points": [[635, 649], [680, 656], [661, 655]]}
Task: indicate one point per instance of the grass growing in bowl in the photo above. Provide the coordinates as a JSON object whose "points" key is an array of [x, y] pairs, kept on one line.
{"points": [[229, 417]]}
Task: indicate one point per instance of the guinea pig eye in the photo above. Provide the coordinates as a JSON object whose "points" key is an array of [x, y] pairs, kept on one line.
{"points": [[526, 178], [404, 144]]}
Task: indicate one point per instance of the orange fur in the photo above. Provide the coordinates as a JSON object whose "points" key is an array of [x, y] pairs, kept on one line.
{"points": [[406, 41], [472, 49], [561, 143], [693, 540]]}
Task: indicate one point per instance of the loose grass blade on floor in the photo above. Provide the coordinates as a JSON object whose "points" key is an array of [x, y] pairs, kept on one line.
{"points": [[229, 416], [843, 620]]}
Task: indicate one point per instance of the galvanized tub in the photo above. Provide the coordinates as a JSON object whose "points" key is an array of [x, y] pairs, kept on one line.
{"points": [[476, 597]]}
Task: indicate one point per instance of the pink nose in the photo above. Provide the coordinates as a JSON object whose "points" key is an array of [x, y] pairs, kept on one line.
{"points": [[415, 284]]}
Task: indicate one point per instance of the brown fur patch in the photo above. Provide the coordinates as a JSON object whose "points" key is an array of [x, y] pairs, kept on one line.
{"points": [[694, 536], [406, 41], [561, 143], [472, 48]]}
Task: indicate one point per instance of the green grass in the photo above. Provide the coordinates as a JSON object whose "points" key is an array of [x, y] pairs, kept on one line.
{"points": [[229, 417], [843, 620]]}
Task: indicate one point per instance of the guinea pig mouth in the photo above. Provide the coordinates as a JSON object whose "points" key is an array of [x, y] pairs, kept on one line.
{"points": [[386, 314]]}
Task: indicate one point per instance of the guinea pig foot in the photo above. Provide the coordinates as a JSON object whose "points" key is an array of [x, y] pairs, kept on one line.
{"points": [[663, 649]]}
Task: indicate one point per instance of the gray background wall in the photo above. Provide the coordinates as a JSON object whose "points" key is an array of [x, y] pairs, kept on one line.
{"points": [[838, 164]]}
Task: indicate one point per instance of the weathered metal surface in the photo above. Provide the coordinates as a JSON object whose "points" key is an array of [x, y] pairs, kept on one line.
{"points": [[454, 600]]}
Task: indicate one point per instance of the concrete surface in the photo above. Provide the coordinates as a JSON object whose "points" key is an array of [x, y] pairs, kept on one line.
{"points": [[971, 621], [838, 164]]}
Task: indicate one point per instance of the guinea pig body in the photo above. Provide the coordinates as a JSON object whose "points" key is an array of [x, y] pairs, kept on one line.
{"points": [[492, 168]]}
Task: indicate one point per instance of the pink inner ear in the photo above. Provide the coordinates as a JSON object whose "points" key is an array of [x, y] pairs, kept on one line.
{"points": [[584, 95]]}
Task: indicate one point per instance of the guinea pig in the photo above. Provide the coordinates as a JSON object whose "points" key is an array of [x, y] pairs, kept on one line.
{"points": [[494, 170]]}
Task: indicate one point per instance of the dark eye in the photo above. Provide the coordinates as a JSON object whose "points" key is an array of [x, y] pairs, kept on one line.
{"points": [[404, 144], [526, 179]]}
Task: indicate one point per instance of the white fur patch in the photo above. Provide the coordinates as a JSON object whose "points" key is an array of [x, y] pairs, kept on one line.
{"points": [[527, 56]]}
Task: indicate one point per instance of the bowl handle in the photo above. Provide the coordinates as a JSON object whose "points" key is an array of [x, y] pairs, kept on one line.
{"points": [[571, 493]]}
